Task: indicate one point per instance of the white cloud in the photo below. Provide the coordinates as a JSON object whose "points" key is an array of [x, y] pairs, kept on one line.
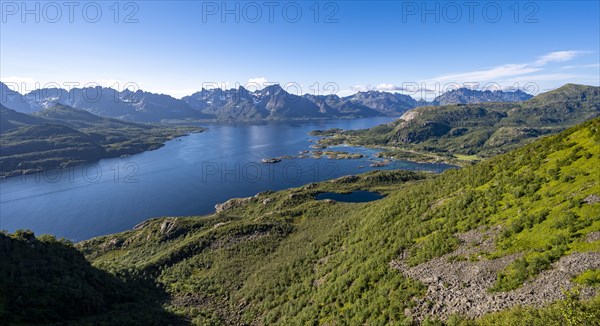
{"points": [[592, 65], [508, 76], [543, 78], [388, 87], [361, 88], [381, 87], [558, 56], [488, 74]]}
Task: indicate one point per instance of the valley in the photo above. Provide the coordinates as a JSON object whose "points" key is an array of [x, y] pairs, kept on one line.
{"points": [[200, 170], [520, 216], [325, 163]]}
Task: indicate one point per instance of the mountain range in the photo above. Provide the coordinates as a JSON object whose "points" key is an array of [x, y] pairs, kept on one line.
{"points": [[467, 96], [56, 135], [483, 129], [270, 103]]}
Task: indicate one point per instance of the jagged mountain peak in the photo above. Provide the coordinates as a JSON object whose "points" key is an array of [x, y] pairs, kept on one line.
{"points": [[467, 95], [239, 103]]}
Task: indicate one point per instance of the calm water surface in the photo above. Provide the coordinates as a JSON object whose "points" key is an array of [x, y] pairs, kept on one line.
{"points": [[359, 196], [187, 176]]}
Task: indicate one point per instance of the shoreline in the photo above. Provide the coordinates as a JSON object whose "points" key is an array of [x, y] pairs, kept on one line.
{"points": [[150, 147], [419, 156]]}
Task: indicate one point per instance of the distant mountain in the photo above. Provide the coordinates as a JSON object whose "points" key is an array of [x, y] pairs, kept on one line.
{"points": [[469, 96], [384, 102], [13, 99], [236, 104], [134, 106], [273, 102], [281, 104], [484, 129], [270, 103], [334, 106]]}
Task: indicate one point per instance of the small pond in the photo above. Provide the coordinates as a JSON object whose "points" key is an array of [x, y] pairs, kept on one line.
{"points": [[359, 196]]}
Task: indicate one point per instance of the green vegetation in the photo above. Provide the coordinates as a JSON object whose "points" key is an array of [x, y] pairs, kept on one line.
{"points": [[63, 136], [284, 258], [459, 133], [590, 277], [470, 158], [322, 133], [47, 281], [337, 155], [409, 155]]}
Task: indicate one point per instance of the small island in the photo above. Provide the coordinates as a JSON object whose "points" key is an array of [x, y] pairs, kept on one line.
{"points": [[272, 160], [333, 155]]}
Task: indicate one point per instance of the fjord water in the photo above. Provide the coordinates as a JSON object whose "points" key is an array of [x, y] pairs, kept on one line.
{"points": [[187, 176], [359, 196]]}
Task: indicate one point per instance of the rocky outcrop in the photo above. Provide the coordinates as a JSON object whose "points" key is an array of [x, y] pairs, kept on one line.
{"points": [[461, 286], [409, 115], [232, 203], [592, 199]]}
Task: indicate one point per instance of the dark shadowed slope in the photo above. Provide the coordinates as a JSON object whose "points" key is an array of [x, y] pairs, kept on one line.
{"points": [[47, 281]]}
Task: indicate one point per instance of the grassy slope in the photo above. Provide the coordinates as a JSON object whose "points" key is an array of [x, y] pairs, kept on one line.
{"points": [[62, 136], [285, 258]]}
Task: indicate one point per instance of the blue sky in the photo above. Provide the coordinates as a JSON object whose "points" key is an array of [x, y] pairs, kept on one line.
{"points": [[177, 47]]}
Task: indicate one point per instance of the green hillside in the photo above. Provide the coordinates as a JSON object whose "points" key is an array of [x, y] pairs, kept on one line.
{"points": [[478, 130], [10, 119], [530, 219]]}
